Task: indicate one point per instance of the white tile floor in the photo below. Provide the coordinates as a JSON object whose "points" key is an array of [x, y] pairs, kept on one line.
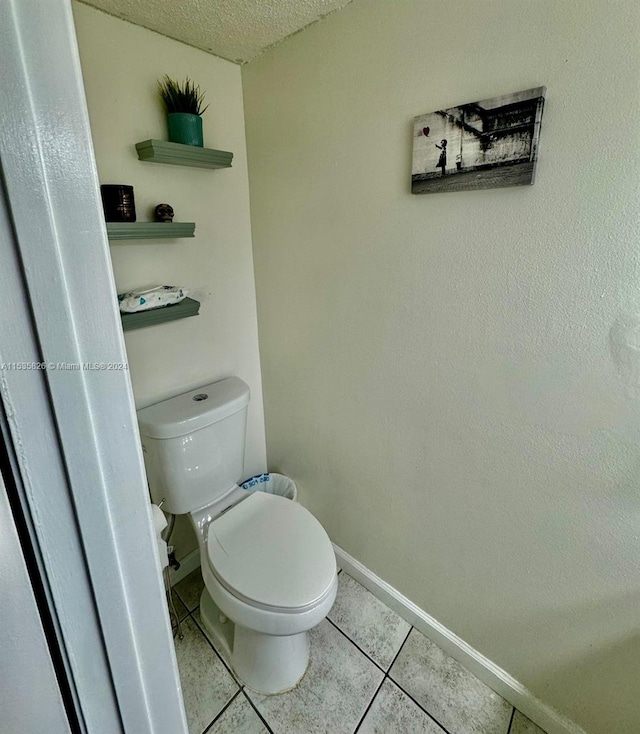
{"points": [[370, 672]]}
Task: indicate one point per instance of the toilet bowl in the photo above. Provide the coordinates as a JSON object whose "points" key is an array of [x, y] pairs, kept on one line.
{"points": [[267, 563], [269, 570]]}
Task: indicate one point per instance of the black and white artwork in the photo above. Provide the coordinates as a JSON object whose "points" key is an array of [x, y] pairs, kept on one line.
{"points": [[480, 145]]}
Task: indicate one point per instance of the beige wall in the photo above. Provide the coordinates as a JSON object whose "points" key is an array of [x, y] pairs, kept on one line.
{"points": [[121, 64], [437, 370]]}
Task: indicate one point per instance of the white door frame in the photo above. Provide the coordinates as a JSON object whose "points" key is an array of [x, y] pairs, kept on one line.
{"points": [[74, 432]]}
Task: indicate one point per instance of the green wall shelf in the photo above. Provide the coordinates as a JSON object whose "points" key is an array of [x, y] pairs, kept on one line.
{"points": [[149, 230], [162, 315], [161, 151]]}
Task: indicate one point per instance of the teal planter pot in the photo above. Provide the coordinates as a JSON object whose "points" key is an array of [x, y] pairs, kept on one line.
{"points": [[185, 128]]}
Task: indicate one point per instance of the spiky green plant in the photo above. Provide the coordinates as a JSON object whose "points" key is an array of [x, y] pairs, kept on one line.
{"points": [[185, 97]]}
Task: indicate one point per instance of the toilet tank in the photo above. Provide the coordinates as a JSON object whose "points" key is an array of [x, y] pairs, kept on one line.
{"points": [[193, 444]]}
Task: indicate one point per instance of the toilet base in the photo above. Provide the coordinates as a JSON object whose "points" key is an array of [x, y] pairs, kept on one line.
{"points": [[268, 664]]}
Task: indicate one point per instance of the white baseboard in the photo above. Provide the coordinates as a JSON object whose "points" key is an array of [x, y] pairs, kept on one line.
{"points": [[188, 564], [488, 672]]}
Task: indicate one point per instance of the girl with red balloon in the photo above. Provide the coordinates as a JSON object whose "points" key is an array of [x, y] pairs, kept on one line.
{"points": [[442, 161]]}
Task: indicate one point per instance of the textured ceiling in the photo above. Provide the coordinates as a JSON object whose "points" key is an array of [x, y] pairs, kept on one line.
{"points": [[237, 30]]}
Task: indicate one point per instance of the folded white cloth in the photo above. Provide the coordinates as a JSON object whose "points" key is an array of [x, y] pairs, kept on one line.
{"points": [[161, 295]]}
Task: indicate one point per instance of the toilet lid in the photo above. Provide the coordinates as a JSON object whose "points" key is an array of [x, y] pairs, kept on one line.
{"points": [[270, 550]]}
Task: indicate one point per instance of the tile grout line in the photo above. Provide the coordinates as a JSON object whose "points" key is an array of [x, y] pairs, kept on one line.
{"points": [[388, 671], [387, 676], [241, 687], [222, 710], [355, 644], [419, 705], [191, 614], [185, 605], [212, 646], [175, 589], [335, 624], [370, 704], [254, 707], [384, 677], [406, 693], [393, 682], [395, 657]]}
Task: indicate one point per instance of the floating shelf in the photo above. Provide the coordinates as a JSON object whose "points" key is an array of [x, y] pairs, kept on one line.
{"points": [[161, 315], [149, 230], [161, 151]]}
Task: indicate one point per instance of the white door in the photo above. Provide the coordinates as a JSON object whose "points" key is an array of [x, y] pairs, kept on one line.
{"points": [[66, 404]]}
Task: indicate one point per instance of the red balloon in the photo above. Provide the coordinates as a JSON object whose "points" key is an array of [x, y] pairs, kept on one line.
{"points": [[425, 130]]}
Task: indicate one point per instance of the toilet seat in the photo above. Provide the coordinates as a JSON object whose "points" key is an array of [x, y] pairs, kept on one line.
{"points": [[272, 553]]}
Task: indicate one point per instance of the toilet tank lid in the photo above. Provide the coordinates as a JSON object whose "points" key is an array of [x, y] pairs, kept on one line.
{"points": [[193, 410]]}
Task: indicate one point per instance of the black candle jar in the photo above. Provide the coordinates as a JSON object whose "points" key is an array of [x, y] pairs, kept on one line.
{"points": [[118, 203]]}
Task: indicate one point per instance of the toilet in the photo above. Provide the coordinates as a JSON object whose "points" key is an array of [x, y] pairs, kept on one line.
{"points": [[268, 564]]}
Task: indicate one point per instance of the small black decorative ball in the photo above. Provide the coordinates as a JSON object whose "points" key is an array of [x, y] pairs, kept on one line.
{"points": [[164, 213]]}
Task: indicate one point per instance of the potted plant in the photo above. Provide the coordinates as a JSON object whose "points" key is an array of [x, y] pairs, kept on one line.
{"points": [[184, 107]]}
